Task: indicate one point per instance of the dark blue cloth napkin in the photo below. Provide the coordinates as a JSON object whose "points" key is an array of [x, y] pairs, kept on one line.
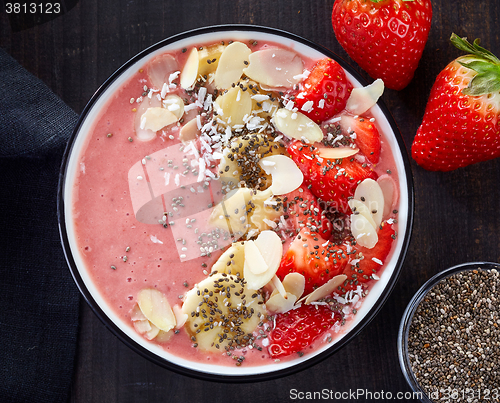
{"points": [[38, 299]]}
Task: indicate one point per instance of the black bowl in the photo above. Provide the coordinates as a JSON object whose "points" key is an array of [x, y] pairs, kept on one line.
{"points": [[373, 302], [404, 328]]}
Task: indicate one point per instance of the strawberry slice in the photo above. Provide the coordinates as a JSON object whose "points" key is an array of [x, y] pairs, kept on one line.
{"points": [[365, 134], [325, 91], [297, 329], [333, 181], [313, 257], [305, 211], [368, 262]]}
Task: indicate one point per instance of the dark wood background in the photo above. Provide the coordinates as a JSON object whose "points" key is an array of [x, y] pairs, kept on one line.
{"points": [[456, 213]]}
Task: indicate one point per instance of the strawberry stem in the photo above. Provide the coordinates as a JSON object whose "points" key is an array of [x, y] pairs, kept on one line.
{"points": [[482, 61]]}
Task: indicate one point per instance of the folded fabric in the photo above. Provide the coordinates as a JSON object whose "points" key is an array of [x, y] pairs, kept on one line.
{"points": [[40, 301]]}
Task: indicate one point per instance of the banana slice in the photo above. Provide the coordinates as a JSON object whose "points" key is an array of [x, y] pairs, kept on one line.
{"points": [[209, 58], [233, 106], [222, 312], [231, 261], [231, 214], [240, 160]]}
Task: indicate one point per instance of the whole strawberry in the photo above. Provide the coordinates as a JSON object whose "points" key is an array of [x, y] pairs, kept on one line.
{"points": [[385, 37], [461, 125]]}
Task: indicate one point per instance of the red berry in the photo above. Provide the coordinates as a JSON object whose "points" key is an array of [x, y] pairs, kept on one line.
{"points": [[297, 329], [367, 136], [332, 181], [305, 211], [371, 260], [461, 125], [325, 91], [386, 38], [313, 257]]}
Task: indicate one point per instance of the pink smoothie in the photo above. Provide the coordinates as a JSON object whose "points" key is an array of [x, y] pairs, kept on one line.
{"points": [[124, 187]]}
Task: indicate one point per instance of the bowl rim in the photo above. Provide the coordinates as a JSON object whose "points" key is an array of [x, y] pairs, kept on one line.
{"points": [[407, 318], [353, 332]]}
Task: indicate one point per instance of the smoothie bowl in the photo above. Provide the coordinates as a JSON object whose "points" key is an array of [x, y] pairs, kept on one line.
{"points": [[235, 204]]}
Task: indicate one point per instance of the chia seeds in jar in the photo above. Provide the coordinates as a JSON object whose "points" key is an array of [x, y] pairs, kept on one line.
{"points": [[452, 347]]}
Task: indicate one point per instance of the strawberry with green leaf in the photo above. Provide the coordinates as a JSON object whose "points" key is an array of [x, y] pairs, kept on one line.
{"points": [[461, 124], [385, 37]]}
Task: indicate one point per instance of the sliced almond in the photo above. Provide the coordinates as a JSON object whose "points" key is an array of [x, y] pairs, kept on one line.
{"points": [[141, 133], [390, 192], [190, 71], [254, 259], [270, 247], [157, 118], [160, 69], [358, 207], [363, 98], [286, 176], [370, 193], [297, 125], [154, 305], [326, 289], [335, 153], [180, 317], [294, 283], [231, 64], [275, 67], [233, 106], [189, 131], [174, 104], [279, 286], [146, 328], [277, 304], [363, 232], [136, 314]]}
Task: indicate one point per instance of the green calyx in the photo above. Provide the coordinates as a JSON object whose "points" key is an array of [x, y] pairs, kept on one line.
{"points": [[484, 63]]}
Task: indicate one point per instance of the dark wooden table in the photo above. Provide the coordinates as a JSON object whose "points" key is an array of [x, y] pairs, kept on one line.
{"points": [[456, 213]]}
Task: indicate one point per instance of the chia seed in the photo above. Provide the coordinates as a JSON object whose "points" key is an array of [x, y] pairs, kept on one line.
{"points": [[454, 337]]}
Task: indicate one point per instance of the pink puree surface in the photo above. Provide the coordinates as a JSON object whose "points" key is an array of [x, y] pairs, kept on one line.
{"points": [[105, 224]]}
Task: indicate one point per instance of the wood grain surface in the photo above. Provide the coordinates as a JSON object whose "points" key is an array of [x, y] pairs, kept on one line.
{"points": [[456, 213]]}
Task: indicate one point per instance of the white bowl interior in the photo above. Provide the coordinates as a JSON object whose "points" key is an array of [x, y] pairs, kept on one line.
{"points": [[72, 168]]}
